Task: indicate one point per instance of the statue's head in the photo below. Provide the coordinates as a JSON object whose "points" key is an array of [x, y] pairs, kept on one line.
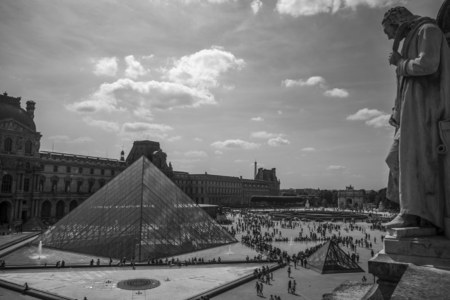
{"points": [[395, 17]]}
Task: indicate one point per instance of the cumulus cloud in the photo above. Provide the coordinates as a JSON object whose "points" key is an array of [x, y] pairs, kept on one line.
{"points": [[273, 139], [134, 68], [372, 117], [105, 125], [298, 8], [308, 149], [257, 119], [235, 144], [311, 81], [278, 141], [336, 168], [379, 122], [364, 114], [203, 68], [256, 6], [338, 93], [196, 154], [162, 95], [316, 81], [143, 112], [106, 66]]}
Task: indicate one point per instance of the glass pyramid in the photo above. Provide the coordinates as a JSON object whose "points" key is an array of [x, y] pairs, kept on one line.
{"points": [[139, 214], [330, 258]]}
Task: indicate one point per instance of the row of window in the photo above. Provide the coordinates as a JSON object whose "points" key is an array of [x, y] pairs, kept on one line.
{"points": [[7, 181], [8, 146], [80, 170]]}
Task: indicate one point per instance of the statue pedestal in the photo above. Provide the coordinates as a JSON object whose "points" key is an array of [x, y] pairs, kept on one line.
{"points": [[405, 247]]}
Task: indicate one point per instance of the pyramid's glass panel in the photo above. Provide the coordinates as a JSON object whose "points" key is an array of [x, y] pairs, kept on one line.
{"points": [[332, 259], [140, 213]]}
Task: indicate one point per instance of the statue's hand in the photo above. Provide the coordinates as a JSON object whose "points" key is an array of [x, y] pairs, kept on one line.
{"points": [[393, 122], [394, 58]]}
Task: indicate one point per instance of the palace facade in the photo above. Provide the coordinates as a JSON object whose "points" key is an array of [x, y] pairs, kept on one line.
{"points": [[48, 185]]}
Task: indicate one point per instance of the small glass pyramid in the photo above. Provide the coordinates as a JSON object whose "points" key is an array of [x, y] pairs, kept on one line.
{"points": [[139, 214], [330, 258]]}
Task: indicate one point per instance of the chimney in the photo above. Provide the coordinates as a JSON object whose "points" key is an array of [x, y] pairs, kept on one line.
{"points": [[256, 165], [30, 108], [122, 155]]}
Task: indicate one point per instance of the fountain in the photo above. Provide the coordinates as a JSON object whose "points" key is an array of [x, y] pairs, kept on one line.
{"points": [[291, 242], [38, 255], [229, 252]]}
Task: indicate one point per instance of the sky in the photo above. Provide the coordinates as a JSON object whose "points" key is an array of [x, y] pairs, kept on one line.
{"points": [[302, 86]]}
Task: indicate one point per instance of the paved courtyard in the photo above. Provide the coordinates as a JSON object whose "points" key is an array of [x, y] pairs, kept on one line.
{"points": [[181, 283], [100, 283]]}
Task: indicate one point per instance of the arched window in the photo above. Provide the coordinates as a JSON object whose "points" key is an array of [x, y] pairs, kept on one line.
{"points": [[73, 205], [5, 212], [46, 209], [28, 147], [60, 209], [7, 183], [8, 144]]}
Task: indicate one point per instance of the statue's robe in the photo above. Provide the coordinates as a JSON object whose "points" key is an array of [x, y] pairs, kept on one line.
{"points": [[417, 177]]}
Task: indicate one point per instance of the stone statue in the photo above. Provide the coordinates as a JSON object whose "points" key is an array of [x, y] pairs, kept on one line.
{"points": [[419, 176]]}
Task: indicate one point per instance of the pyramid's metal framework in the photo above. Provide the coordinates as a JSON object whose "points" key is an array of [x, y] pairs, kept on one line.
{"points": [[139, 214], [331, 259]]}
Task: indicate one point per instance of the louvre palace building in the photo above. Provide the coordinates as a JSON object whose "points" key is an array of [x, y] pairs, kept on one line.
{"points": [[47, 185]]}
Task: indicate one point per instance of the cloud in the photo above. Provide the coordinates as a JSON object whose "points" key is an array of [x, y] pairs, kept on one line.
{"points": [[105, 125], [257, 119], [143, 112], [338, 93], [311, 81], [372, 117], [68, 140], [162, 95], [278, 141], [336, 168], [298, 8], [141, 126], [308, 149], [256, 6], [234, 144], [106, 66], [379, 122], [365, 114], [134, 68], [263, 135], [196, 154], [197, 139], [274, 139], [203, 68]]}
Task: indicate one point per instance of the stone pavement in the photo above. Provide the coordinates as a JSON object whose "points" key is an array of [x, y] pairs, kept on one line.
{"points": [[101, 283], [310, 285]]}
